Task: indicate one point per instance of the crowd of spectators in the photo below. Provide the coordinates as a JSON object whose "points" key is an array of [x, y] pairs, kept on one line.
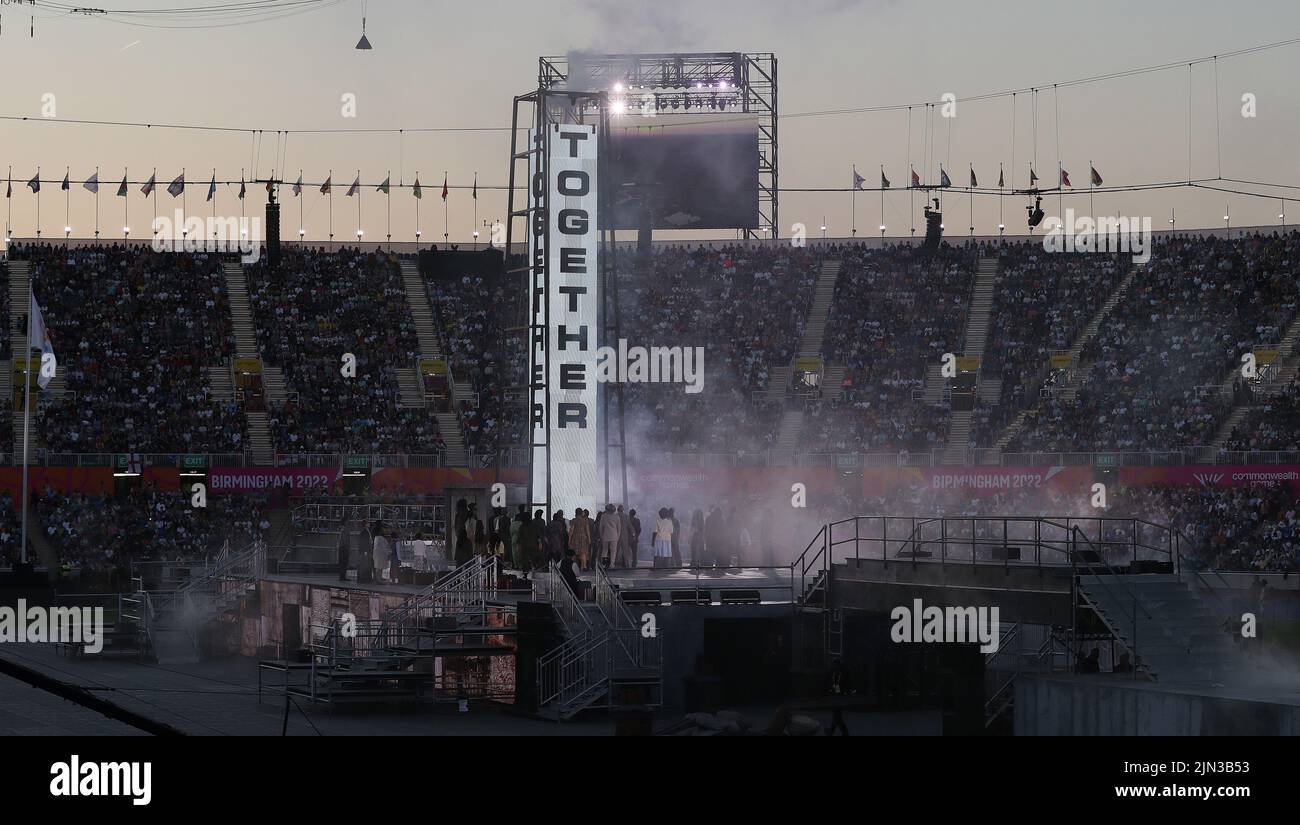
{"points": [[135, 331], [1160, 358], [107, 531], [896, 312], [310, 315], [746, 308], [1273, 423], [480, 321], [1041, 304]]}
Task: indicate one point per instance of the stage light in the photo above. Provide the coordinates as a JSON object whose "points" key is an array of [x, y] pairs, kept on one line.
{"points": [[1001, 226], [243, 231], [302, 232], [126, 230], [619, 107], [618, 87], [722, 85], [882, 227], [360, 232], [476, 234], [364, 42], [67, 230]]}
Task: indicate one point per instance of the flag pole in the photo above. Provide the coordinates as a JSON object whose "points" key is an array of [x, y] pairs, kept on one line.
{"points": [[153, 195], [38, 202], [330, 195], [67, 201], [96, 203], [446, 212], [882, 199], [27, 411], [126, 211], [854, 221], [184, 199], [417, 212], [1091, 208], [972, 200], [388, 198], [9, 196], [301, 237]]}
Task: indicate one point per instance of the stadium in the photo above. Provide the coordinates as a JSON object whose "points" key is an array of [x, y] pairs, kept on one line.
{"points": [[636, 444]]}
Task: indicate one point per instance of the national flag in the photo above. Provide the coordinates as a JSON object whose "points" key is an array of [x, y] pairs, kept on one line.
{"points": [[177, 186], [916, 179], [121, 189], [328, 186], [38, 336], [147, 189], [444, 186], [974, 182], [417, 191], [355, 187], [297, 187], [943, 178], [1001, 180], [1033, 176], [92, 185], [884, 181], [35, 183], [858, 180], [1096, 178], [383, 187], [243, 190], [212, 187], [67, 184], [475, 192], [1065, 177], [9, 189]]}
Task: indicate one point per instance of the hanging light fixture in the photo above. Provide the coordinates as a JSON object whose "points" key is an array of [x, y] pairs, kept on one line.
{"points": [[364, 42]]}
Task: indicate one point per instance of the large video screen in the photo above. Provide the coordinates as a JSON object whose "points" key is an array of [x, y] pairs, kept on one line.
{"points": [[689, 172]]}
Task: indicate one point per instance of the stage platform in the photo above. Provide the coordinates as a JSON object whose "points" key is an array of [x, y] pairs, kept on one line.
{"points": [[773, 585], [1267, 704]]}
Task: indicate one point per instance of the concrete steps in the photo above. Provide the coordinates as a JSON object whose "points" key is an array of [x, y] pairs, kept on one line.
{"points": [[241, 314], [791, 427], [410, 390], [958, 438], [259, 439], [273, 385], [221, 385], [814, 330], [449, 427]]}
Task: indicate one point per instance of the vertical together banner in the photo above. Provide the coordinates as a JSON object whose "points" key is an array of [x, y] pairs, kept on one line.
{"points": [[565, 278]]}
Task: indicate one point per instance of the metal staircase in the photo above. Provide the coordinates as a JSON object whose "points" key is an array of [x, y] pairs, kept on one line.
{"points": [[605, 660], [1174, 633], [394, 658], [172, 620]]}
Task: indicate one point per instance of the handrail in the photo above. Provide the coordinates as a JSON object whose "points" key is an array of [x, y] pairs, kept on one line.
{"points": [[575, 620]]}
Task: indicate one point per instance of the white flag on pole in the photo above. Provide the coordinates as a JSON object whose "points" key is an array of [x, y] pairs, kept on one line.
{"points": [[39, 336]]}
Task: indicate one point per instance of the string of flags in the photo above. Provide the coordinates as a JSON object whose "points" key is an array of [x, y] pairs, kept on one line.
{"points": [[177, 187], [945, 182]]}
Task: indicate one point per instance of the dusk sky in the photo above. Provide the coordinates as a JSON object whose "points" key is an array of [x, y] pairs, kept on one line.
{"points": [[449, 64]]}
